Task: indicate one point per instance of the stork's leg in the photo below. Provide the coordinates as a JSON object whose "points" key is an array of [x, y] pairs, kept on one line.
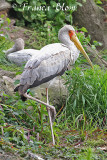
{"points": [[47, 99], [39, 101], [50, 118], [52, 108]]}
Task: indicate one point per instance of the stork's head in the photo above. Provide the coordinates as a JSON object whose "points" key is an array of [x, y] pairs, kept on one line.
{"points": [[19, 44], [67, 34]]}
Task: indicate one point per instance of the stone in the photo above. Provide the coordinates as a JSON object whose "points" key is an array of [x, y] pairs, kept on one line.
{"points": [[4, 5], [57, 92], [94, 56], [7, 73], [92, 18], [3, 87], [9, 83]]}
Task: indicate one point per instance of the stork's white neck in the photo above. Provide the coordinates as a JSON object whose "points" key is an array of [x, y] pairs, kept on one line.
{"points": [[65, 39]]}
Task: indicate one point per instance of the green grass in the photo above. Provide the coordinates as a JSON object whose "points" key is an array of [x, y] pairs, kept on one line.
{"points": [[79, 135], [33, 39], [37, 40], [87, 98], [4, 63], [79, 129]]}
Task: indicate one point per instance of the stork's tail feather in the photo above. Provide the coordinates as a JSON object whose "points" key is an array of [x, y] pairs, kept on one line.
{"points": [[22, 89], [16, 89], [23, 98]]}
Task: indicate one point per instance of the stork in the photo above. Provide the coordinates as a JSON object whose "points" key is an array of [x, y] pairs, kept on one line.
{"points": [[18, 55], [52, 61]]}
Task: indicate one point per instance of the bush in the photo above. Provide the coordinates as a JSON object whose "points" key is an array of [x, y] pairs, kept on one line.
{"points": [[41, 11], [5, 44], [87, 93]]}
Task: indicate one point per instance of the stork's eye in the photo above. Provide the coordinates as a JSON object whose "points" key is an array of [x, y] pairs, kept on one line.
{"points": [[71, 33]]}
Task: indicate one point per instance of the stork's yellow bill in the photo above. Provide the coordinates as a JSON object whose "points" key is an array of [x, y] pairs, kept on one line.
{"points": [[77, 43]]}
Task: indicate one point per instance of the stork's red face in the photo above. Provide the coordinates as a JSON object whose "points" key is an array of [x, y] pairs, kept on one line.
{"points": [[71, 33], [77, 43]]}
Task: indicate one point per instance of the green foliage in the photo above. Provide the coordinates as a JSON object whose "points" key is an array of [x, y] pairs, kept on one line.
{"points": [[20, 122], [86, 105], [87, 94], [88, 154], [45, 16], [104, 54], [98, 2], [81, 34], [48, 17], [94, 143], [2, 22], [41, 11], [5, 44], [85, 38]]}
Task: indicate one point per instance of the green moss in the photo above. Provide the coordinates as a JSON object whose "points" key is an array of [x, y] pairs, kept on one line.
{"points": [[96, 143]]}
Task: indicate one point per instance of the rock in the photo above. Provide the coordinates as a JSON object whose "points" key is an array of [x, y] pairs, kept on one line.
{"points": [[94, 56], [4, 7], [3, 87], [92, 18], [6, 83], [9, 83], [57, 92], [7, 73]]}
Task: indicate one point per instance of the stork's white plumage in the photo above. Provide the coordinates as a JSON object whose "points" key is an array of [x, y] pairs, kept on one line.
{"points": [[18, 55], [51, 61]]}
